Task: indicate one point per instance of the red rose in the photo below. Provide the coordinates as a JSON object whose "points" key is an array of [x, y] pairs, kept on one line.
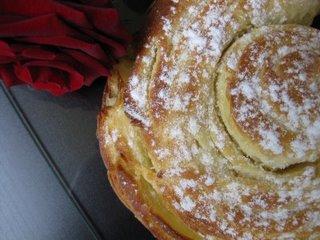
{"points": [[58, 46]]}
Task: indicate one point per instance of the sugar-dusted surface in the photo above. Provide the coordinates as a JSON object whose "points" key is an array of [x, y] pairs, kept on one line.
{"points": [[205, 176], [273, 94]]}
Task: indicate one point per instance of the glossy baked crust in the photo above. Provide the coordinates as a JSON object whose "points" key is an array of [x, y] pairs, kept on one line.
{"points": [[121, 179], [215, 131]]}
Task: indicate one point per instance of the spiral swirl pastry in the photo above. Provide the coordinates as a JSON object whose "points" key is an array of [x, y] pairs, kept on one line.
{"points": [[215, 132]]}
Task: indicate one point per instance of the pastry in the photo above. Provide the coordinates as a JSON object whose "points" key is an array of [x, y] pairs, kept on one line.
{"points": [[214, 130]]}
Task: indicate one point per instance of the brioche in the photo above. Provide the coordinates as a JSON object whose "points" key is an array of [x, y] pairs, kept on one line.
{"points": [[213, 132]]}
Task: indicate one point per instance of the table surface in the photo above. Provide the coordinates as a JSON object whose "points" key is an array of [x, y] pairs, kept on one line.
{"points": [[53, 183]]}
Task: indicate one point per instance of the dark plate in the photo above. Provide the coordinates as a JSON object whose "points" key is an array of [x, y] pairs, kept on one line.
{"points": [[53, 183]]}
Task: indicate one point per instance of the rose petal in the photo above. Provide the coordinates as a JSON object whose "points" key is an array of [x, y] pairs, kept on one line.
{"points": [[50, 81], [73, 79], [38, 53], [56, 45], [10, 18], [6, 60], [23, 73], [8, 76], [47, 25], [91, 49], [5, 50], [26, 51], [117, 49], [36, 8], [91, 69], [52, 87], [100, 16]]}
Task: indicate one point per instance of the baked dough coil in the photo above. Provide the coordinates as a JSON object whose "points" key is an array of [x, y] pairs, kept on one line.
{"points": [[215, 133]]}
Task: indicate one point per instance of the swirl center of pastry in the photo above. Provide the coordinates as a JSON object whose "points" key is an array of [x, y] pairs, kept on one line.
{"points": [[270, 100]]}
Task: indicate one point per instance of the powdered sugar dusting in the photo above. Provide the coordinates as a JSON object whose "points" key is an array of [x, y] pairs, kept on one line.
{"points": [[138, 91], [187, 204], [270, 140], [202, 170], [270, 108]]}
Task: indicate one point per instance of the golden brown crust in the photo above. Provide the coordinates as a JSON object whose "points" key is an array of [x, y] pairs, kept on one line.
{"points": [[165, 128], [267, 99], [127, 191], [126, 187]]}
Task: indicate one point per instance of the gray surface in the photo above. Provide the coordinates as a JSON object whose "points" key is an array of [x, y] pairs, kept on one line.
{"points": [[33, 205]]}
